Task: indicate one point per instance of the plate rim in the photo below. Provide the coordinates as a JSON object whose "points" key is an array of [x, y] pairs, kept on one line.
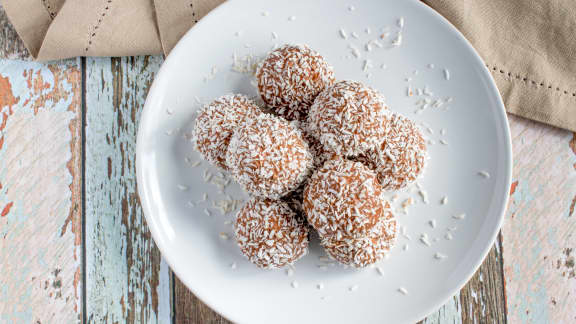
{"points": [[507, 144]]}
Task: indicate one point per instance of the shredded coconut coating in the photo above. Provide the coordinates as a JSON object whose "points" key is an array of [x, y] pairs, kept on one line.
{"points": [[269, 235], [268, 157], [348, 118], [216, 123], [360, 252], [344, 199], [290, 77], [318, 151], [401, 157]]}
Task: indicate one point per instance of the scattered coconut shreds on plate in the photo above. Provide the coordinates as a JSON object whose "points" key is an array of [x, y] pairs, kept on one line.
{"points": [[459, 216], [265, 13], [233, 265], [406, 247], [444, 200], [446, 74], [403, 291], [398, 40], [343, 33], [424, 195], [294, 284], [448, 236], [246, 64], [320, 286], [484, 174], [380, 271], [182, 187], [228, 222], [207, 212], [291, 18], [400, 22], [353, 288], [289, 272], [367, 30], [443, 131], [432, 223], [238, 33], [439, 256], [452, 228], [351, 8], [224, 236], [431, 65], [355, 35], [443, 142], [424, 239]]}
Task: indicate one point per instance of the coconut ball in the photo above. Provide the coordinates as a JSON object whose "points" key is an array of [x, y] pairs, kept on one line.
{"points": [[348, 118], [401, 157], [268, 157], [269, 235], [362, 251], [290, 77], [343, 199], [216, 123]]}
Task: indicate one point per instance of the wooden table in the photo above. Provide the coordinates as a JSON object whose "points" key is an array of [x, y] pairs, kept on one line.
{"points": [[74, 245]]}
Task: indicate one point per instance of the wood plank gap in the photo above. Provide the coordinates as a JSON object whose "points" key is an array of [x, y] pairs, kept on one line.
{"points": [[83, 184], [501, 255]]}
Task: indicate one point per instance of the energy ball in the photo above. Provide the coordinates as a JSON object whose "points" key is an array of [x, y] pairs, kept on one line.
{"points": [[362, 251], [318, 151], [343, 199], [348, 118], [269, 235], [401, 157], [290, 77], [268, 157], [216, 123]]}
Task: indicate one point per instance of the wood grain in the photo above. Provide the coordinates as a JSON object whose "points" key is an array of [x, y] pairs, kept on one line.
{"points": [[40, 200], [125, 279], [538, 240], [190, 310], [11, 47]]}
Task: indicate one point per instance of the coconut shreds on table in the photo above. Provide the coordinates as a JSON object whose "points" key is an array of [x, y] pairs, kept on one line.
{"points": [[269, 235], [216, 123], [268, 157], [400, 159], [349, 118], [290, 77]]}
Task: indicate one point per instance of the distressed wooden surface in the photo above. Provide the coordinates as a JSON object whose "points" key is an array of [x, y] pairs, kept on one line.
{"points": [[539, 236], [40, 196], [125, 280], [11, 46]]}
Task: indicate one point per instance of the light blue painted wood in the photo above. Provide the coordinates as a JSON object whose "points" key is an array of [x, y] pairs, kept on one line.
{"points": [[126, 281]]}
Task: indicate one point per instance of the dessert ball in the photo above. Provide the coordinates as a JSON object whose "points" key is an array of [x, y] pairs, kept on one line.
{"points": [[216, 123], [365, 250], [348, 118], [319, 152], [401, 157], [268, 157], [290, 77], [269, 235], [343, 199]]}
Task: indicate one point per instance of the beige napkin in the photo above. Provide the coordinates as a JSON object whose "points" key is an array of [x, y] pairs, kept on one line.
{"points": [[530, 49], [529, 46], [55, 29]]}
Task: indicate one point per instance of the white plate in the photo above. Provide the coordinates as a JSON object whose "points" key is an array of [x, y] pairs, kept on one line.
{"points": [[477, 138]]}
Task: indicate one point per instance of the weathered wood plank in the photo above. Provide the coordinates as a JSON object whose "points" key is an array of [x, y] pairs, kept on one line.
{"points": [[40, 192], [11, 46], [126, 282], [190, 310], [538, 236]]}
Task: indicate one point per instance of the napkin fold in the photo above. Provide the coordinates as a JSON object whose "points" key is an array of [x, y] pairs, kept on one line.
{"points": [[528, 46]]}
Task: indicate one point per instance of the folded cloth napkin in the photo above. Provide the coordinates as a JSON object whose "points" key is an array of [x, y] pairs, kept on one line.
{"points": [[528, 46], [55, 29]]}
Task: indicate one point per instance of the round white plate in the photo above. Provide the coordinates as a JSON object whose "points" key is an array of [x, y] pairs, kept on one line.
{"points": [[475, 135]]}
